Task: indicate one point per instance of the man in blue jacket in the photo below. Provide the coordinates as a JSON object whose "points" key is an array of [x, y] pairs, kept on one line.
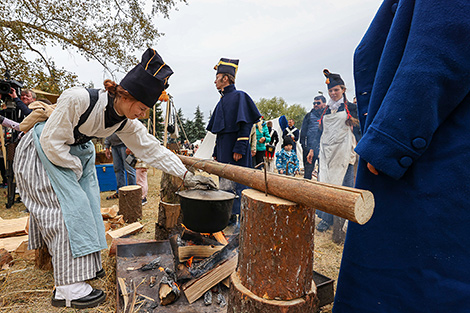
{"points": [[412, 85], [308, 135], [232, 121]]}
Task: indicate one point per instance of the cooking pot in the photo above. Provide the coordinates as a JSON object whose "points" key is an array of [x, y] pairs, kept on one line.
{"points": [[206, 211]]}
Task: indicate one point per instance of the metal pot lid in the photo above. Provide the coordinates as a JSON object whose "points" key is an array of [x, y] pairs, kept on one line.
{"points": [[207, 195]]}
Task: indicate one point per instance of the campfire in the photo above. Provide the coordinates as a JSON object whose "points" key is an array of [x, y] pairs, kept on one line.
{"points": [[191, 266]]}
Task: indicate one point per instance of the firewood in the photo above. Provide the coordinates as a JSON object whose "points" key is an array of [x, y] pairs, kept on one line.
{"points": [[197, 238], [111, 212], [126, 230], [13, 227], [107, 225], [118, 220], [208, 298], [5, 258], [196, 287], [169, 291], [219, 236], [23, 252], [12, 243], [186, 252], [43, 259], [130, 202], [124, 293], [169, 220]]}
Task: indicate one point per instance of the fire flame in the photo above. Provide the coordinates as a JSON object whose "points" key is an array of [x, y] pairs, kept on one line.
{"points": [[190, 261]]}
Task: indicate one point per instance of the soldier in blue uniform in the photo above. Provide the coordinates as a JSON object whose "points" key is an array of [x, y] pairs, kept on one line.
{"points": [[412, 82], [231, 122]]}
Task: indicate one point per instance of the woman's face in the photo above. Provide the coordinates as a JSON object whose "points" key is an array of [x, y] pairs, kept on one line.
{"points": [[336, 93], [132, 109]]}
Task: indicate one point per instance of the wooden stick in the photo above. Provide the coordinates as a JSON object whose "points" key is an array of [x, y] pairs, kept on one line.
{"points": [[125, 296], [352, 204], [219, 236]]}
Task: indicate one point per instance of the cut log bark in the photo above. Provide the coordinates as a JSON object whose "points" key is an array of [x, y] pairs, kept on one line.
{"points": [[353, 204], [13, 227], [130, 203], [126, 230], [279, 263], [169, 220], [198, 252], [23, 252], [5, 258], [169, 185]]}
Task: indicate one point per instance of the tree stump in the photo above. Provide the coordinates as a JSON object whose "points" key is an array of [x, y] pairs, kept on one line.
{"points": [[275, 264], [169, 220], [130, 203]]}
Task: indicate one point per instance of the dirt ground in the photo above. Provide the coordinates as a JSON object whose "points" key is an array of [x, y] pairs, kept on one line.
{"points": [[23, 288]]}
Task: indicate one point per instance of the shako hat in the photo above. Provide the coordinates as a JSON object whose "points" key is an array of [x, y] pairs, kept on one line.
{"points": [[332, 79], [228, 66], [147, 80]]}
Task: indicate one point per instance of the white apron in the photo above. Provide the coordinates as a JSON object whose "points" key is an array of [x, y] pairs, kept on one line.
{"points": [[337, 145]]}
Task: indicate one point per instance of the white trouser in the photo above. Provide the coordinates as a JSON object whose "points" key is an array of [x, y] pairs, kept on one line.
{"points": [[72, 292]]}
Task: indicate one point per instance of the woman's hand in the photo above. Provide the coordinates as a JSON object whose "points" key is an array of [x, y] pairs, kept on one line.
{"points": [[262, 139], [310, 156], [372, 169]]}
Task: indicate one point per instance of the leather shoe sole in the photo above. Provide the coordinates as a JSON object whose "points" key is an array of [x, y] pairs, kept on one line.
{"points": [[101, 273], [95, 297]]}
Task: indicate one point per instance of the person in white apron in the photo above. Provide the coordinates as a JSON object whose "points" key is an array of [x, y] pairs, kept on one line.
{"points": [[337, 141], [57, 180]]}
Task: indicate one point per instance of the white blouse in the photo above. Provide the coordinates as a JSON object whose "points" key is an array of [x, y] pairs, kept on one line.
{"points": [[58, 134]]}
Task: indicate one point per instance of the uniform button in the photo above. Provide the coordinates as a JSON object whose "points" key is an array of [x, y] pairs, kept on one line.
{"points": [[418, 143], [406, 161], [364, 93], [394, 8]]}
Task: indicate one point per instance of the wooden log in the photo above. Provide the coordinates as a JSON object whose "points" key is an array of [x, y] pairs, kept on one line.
{"points": [[242, 300], [12, 243], [195, 288], [198, 252], [110, 212], [5, 258], [197, 238], [279, 263], [126, 230], [130, 203], [14, 227], [43, 260], [169, 220], [352, 204], [219, 236]]}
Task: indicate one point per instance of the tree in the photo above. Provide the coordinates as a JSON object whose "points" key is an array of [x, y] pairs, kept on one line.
{"points": [[159, 122], [277, 106], [196, 128], [272, 108], [105, 31]]}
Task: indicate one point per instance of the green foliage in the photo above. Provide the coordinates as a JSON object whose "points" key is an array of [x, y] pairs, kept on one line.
{"points": [[196, 128], [277, 106], [159, 121], [106, 31]]}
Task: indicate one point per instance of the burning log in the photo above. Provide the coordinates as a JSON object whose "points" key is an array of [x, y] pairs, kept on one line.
{"points": [[198, 239], [155, 263], [353, 204], [208, 298], [211, 271], [169, 291]]}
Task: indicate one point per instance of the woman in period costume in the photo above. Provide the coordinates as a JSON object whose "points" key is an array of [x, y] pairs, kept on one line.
{"points": [[55, 171]]}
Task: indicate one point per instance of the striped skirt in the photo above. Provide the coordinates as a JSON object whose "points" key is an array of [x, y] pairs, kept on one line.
{"points": [[46, 223]]}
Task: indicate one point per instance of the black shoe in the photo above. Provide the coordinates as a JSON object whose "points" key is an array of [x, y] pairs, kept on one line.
{"points": [[323, 226], [101, 273], [95, 297], [144, 201]]}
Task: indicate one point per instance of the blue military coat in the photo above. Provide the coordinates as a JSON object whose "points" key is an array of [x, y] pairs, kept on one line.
{"points": [[232, 121], [412, 73]]}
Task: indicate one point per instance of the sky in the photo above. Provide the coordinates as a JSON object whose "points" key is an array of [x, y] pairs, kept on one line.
{"points": [[283, 47]]}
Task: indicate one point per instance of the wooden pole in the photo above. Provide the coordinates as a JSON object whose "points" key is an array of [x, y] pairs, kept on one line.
{"points": [[167, 118], [355, 205]]}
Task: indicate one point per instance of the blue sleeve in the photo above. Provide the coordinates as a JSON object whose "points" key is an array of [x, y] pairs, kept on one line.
{"points": [[433, 77], [23, 107], [243, 138], [304, 131]]}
